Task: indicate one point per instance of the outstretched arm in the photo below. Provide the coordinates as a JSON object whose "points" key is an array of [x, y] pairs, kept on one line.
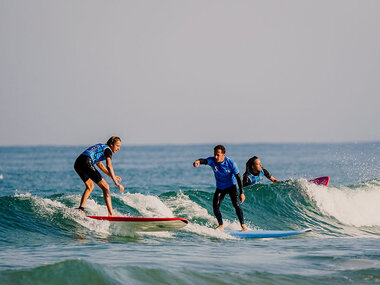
{"points": [[269, 176], [273, 179], [199, 161]]}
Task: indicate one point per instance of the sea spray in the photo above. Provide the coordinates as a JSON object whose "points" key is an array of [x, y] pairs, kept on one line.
{"points": [[357, 207], [148, 205]]}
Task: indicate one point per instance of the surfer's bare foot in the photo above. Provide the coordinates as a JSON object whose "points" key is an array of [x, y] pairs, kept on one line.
{"points": [[81, 210], [219, 228], [244, 228]]}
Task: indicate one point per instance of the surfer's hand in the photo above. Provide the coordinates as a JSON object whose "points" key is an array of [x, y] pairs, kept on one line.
{"points": [[196, 163], [121, 187], [118, 178], [242, 198]]}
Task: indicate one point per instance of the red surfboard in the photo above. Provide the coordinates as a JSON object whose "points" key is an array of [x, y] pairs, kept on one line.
{"points": [[145, 224], [321, 180]]}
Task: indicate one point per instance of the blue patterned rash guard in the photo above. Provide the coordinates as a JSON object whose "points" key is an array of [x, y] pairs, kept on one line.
{"points": [[98, 152], [249, 178], [224, 172]]}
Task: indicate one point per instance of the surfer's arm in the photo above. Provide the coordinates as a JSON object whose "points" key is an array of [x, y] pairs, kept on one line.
{"points": [[103, 168], [240, 185], [107, 170], [199, 161], [269, 176], [273, 179], [110, 172]]}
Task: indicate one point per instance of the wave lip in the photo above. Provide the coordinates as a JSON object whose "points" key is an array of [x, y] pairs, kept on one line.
{"points": [[358, 207]]}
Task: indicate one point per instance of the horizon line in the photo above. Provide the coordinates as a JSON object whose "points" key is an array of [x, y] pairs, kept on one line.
{"points": [[197, 144]]}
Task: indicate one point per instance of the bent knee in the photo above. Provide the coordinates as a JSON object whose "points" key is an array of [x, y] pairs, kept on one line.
{"points": [[104, 185], [89, 186]]}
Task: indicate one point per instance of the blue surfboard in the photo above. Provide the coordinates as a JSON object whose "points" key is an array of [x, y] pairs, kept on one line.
{"points": [[265, 234]]}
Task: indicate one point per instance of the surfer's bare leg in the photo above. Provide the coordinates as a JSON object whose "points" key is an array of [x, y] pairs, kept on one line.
{"points": [[107, 196], [89, 187]]}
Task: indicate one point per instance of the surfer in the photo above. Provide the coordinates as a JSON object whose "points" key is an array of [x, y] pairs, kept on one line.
{"points": [[226, 174], [85, 167], [254, 172]]}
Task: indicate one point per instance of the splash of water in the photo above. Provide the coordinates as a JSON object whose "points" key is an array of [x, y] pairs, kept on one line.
{"points": [[357, 207]]}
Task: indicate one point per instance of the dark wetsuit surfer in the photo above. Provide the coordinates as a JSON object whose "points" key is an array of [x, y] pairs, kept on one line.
{"points": [[85, 167], [226, 175], [85, 163]]}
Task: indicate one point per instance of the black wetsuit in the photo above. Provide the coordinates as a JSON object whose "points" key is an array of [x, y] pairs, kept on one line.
{"points": [[218, 199], [234, 196], [86, 169]]}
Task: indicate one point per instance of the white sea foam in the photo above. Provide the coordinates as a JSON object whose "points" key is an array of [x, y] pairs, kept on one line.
{"points": [[43, 206], [356, 207], [191, 210], [152, 206], [148, 205], [1, 176], [46, 207], [206, 231], [183, 204]]}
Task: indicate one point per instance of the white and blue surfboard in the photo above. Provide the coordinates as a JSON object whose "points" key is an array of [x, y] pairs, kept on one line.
{"points": [[265, 234]]}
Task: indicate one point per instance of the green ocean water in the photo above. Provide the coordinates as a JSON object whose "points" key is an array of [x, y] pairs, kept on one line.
{"points": [[44, 240]]}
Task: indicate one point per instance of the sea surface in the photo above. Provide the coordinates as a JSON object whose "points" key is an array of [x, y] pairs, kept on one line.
{"points": [[45, 240]]}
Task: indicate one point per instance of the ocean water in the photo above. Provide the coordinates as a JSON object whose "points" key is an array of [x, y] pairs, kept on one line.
{"points": [[44, 240]]}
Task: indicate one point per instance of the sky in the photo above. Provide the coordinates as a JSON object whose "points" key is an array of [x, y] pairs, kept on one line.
{"points": [[187, 72]]}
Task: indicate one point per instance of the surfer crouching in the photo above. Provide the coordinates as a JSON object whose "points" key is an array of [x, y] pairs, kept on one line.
{"points": [[226, 174], [85, 167]]}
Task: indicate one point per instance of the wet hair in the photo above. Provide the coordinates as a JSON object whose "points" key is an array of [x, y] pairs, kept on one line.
{"points": [[250, 162], [222, 148], [112, 140]]}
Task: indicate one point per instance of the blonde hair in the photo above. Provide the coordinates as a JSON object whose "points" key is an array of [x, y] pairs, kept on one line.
{"points": [[112, 140]]}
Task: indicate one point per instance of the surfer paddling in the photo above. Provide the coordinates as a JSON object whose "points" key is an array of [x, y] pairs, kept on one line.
{"points": [[85, 167], [226, 175], [254, 172]]}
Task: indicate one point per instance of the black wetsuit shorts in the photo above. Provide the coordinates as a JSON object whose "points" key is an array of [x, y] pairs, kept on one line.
{"points": [[86, 169]]}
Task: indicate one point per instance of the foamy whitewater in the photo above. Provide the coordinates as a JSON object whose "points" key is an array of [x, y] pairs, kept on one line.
{"points": [[45, 240]]}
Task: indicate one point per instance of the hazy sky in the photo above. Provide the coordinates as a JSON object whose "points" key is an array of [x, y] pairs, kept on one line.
{"points": [[181, 72]]}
